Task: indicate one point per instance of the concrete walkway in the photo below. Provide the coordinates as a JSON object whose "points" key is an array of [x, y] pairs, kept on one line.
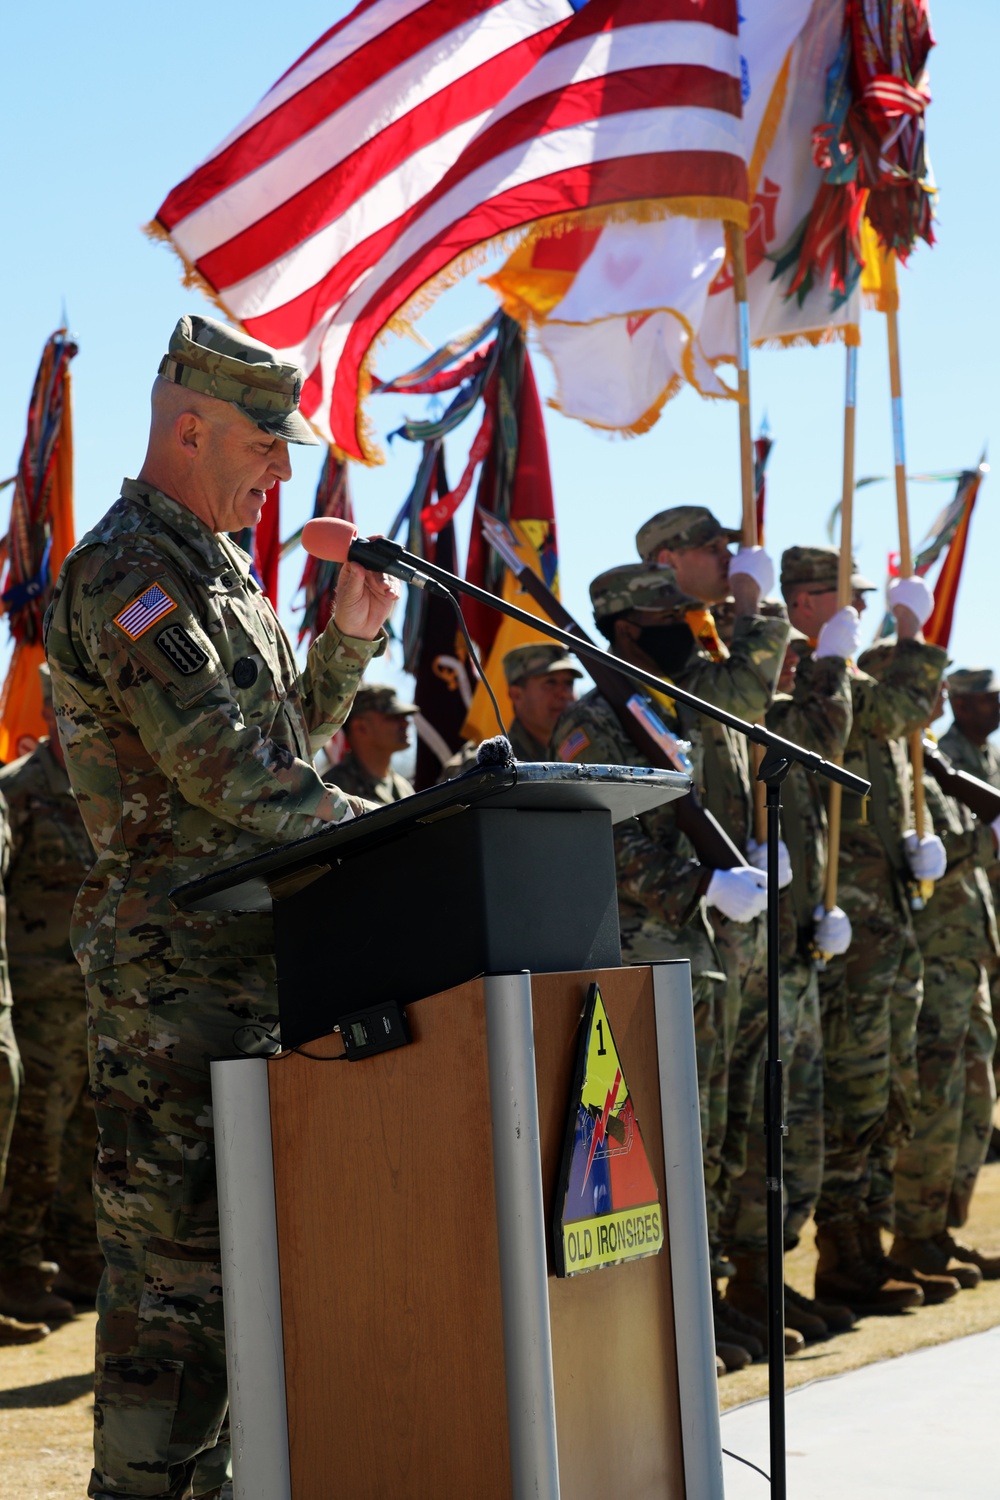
{"points": [[921, 1427]]}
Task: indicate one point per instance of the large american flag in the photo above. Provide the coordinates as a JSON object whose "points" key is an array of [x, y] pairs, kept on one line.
{"points": [[413, 132]]}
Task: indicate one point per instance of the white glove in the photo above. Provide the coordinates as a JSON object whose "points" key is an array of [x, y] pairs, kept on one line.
{"points": [[755, 562], [914, 593], [740, 894], [757, 855], [841, 635], [927, 858], [833, 930]]}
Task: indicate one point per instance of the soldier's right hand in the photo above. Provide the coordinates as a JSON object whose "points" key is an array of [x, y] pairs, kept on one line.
{"points": [[833, 930], [740, 894], [840, 636]]}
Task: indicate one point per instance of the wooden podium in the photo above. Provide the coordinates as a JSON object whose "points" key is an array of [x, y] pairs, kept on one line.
{"points": [[394, 1323]]}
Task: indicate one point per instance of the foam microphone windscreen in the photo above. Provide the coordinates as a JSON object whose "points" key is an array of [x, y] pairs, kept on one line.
{"points": [[329, 537]]}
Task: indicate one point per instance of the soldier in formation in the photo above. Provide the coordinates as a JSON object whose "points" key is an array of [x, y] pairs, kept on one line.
{"points": [[189, 733], [47, 1232], [377, 728]]}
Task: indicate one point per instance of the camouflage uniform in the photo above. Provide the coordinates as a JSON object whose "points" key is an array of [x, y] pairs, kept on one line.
{"points": [[10, 1061], [817, 716], [870, 996], [936, 1170], [982, 761], [661, 911], [50, 856], [189, 734], [351, 776]]}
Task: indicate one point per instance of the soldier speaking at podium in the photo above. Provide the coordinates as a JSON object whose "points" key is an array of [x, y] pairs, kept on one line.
{"points": [[189, 732]]}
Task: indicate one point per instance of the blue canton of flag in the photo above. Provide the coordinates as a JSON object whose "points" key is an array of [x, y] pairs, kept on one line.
{"points": [[143, 612]]}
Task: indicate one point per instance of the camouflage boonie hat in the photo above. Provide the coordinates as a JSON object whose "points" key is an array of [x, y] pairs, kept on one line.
{"points": [[972, 680], [380, 698], [681, 526], [536, 661], [638, 586], [819, 565], [218, 360], [45, 678]]}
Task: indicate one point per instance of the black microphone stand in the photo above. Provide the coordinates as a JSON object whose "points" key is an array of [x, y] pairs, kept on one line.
{"points": [[778, 758]]}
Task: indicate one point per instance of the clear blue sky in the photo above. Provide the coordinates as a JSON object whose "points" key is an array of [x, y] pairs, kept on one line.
{"points": [[108, 105]]}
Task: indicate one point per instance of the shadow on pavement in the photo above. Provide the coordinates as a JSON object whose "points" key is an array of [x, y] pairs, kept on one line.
{"points": [[58, 1392]]}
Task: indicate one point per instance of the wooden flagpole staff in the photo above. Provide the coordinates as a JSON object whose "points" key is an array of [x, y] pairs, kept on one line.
{"points": [[844, 596], [891, 299], [736, 238]]}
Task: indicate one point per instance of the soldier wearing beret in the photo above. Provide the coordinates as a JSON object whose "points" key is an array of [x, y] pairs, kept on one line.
{"points": [[540, 681], [869, 995], [50, 1201], [663, 891], [974, 694], [189, 732], [741, 678], [377, 728]]}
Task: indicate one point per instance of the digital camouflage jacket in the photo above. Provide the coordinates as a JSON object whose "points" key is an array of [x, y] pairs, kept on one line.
{"points": [[188, 727]]}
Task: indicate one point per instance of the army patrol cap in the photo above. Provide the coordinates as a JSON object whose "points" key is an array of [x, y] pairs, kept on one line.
{"points": [[380, 698], [638, 586], [218, 360], [536, 661], [681, 526], [798, 643], [972, 680], [819, 565]]}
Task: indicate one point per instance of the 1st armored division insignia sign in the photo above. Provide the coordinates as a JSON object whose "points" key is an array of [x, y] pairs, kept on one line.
{"points": [[607, 1207]]}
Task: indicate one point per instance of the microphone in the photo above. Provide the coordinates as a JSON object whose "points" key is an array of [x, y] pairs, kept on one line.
{"points": [[337, 541]]}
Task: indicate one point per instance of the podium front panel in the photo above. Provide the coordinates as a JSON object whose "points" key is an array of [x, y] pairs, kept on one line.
{"points": [[391, 1303]]}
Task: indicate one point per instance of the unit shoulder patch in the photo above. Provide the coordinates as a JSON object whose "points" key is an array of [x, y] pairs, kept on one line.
{"points": [[180, 649], [139, 616]]}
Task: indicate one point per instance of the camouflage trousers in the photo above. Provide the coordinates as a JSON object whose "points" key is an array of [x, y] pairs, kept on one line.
{"points": [[869, 1001], [10, 1087], [993, 972], [801, 1038], [50, 1162], [743, 947], [936, 1170], [708, 999], [160, 1389]]}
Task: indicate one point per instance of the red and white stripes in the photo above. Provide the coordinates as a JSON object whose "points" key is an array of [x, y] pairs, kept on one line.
{"points": [[413, 132]]}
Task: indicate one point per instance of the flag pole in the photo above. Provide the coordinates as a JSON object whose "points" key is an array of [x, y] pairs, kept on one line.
{"points": [[736, 237], [905, 552], [844, 596]]}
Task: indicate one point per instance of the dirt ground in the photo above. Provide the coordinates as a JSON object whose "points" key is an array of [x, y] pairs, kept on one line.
{"points": [[46, 1402]]}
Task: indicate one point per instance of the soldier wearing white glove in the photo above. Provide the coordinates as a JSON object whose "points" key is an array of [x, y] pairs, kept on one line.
{"points": [[913, 594], [740, 894], [841, 635], [757, 855], [754, 563], [833, 930], [926, 857]]}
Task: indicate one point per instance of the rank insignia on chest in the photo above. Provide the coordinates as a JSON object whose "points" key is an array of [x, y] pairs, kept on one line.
{"points": [[185, 653], [136, 618]]}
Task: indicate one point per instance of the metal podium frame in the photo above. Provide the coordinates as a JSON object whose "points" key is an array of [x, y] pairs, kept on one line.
{"points": [[251, 1285]]}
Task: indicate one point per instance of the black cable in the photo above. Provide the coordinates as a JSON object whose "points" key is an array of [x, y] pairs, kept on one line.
{"points": [[477, 663], [749, 1465]]}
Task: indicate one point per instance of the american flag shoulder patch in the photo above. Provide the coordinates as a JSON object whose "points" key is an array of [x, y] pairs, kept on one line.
{"points": [[137, 617], [573, 744]]}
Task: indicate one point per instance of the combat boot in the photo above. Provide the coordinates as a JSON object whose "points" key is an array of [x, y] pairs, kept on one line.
{"points": [[26, 1293], [732, 1357], [968, 1255], [725, 1330], [934, 1287], [747, 1292], [78, 1278], [933, 1259], [752, 1332], [14, 1332], [843, 1275]]}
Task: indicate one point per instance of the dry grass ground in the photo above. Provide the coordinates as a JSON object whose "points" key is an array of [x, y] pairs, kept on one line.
{"points": [[46, 1400]]}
